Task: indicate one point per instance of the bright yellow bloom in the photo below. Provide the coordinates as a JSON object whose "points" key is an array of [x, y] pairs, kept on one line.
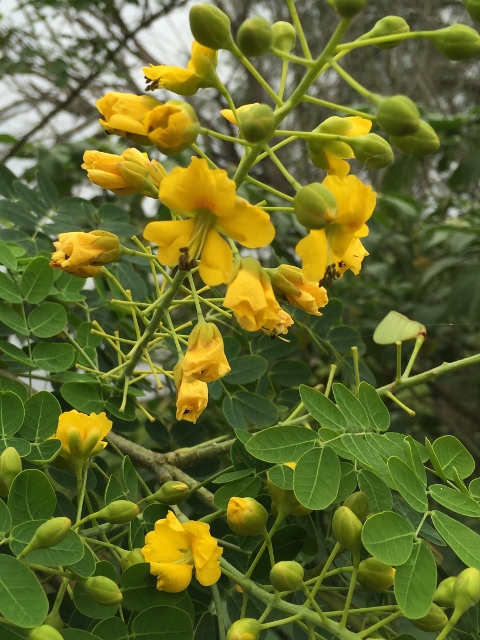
{"points": [[330, 251], [228, 113], [185, 82], [82, 254], [284, 321], [172, 127], [192, 395], [124, 114], [290, 282], [208, 197], [132, 172], [250, 296], [205, 357], [82, 435], [175, 548]]}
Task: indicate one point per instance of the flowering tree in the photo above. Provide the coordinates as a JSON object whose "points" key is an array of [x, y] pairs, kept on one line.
{"points": [[288, 507]]}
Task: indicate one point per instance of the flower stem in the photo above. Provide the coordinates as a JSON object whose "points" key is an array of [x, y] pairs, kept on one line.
{"points": [[219, 609], [299, 29]]}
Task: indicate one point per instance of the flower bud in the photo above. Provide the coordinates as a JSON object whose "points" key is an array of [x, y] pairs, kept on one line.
{"points": [[284, 500], [287, 575], [210, 26], [421, 143], [119, 512], [257, 123], [315, 206], [347, 529], [456, 42], [172, 492], [349, 8], [388, 26], [103, 590], [372, 151], [443, 595], [244, 629], [435, 620], [466, 589], [254, 37], [358, 503], [50, 533], [10, 467], [246, 516], [44, 632], [135, 556], [172, 127], [283, 36], [473, 8], [398, 115], [375, 576]]}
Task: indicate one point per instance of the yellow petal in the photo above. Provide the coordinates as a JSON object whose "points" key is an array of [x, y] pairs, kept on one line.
{"points": [[361, 126], [355, 200], [171, 578], [228, 113], [216, 264], [170, 236], [314, 253], [122, 122], [337, 167], [248, 224], [167, 542], [182, 81], [353, 257]]}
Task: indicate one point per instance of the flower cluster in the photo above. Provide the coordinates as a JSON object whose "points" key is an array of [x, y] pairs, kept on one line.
{"points": [[81, 435]]}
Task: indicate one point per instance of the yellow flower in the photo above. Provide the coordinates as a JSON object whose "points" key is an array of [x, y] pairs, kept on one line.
{"points": [[172, 127], [82, 435], [82, 254], [185, 82], [228, 113], [250, 296], [192, 395], [205, 357], [124, 114], [132, 172], [208, 198], [290, 282], [175, 548], [328, 252]]}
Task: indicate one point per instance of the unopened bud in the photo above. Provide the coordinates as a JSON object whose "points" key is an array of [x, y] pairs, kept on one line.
{"points": [[135, 556], [103, 590], [246, 516], [435, 620], [284, 500], [388, 26], [172, 492], [119, 512], [375, 576], [315, 206], [349, 8], [443, 595], [283, 36], [254, 37], [456, 42], [421, 143], [50, 533], [398, 116], [372, 151], [358, 503], [44, 632], [210, 26], [10, 467], [347, 529], [466, 589], [244, 629], [257, 123], [473, 8], [287, 575]]}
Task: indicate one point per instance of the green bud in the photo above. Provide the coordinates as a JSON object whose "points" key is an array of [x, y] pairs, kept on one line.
{"points": [[50, 533], [244, 629], [473, 8], [246, 516], [435, 620], [358, 503], [444, 592], [254, 37], [421, 143], [287, 575], [172, 492], [10, 467], [349, 8], [119, 512], [258, 123], [44, 632], [456, 42], [398, 116], [135, 556], [103, 590], [347, 529], [388, 26], [283, 36], [317, 154], [466, 589], [284, 500], [372, 151], [315, 206], [210, 26], [375, 576]]}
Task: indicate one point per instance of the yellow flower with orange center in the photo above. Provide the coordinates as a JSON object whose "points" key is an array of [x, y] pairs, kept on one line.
{"points": [[192, 395], [208, 198], [290, 282], [205, 357], [82, 254], [82, 435], [124, 114], [174, 549]]}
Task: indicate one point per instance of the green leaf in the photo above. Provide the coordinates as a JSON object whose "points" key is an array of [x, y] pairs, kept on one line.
{"points": [[454, 500], [84, 396], [47, 320], [7, 258], [412, 453], [246, 369], [22, 446], [162, 623], [323, 410], [22, 599], [463, 541], [450, 453], [233, 413], [139, 592], [78, 634], [474, 488], [68, 551], [317, 478], [348, 481], [37, 280], [396, 326], [16, 353], [344, 337], [85, 567], [111, 629], [282, 476], [408, 485], [363, 452], [287, 543], [351, 408], [9, 290], [129, 479], [378, 493], [378, 414], [232, 475], [12, 413], [206, 628], [13, 320], [5, 518], [42, 411], [48, 190], [86, 338], [281, 444], [9, 384], [388, 537], [256, 409], [243, 488], [53, 357], [31, 497], [114, 491], [290, 373], [44, 452], [416, 581]]}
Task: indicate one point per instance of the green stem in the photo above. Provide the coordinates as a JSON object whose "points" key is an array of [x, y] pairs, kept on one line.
{"points": [[331, 376], [328, 562], [283, 79], [349, 46], [266, 187], [222, 136], [219, 609], [351, 588], [299, 29], [398, 374], [258, 77], [277, 623], [337, 107], [418, 345], [403, 406], [283, 170], [356, 368], [196, 299], [382, 623], [369, 95], [82, 474]]}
